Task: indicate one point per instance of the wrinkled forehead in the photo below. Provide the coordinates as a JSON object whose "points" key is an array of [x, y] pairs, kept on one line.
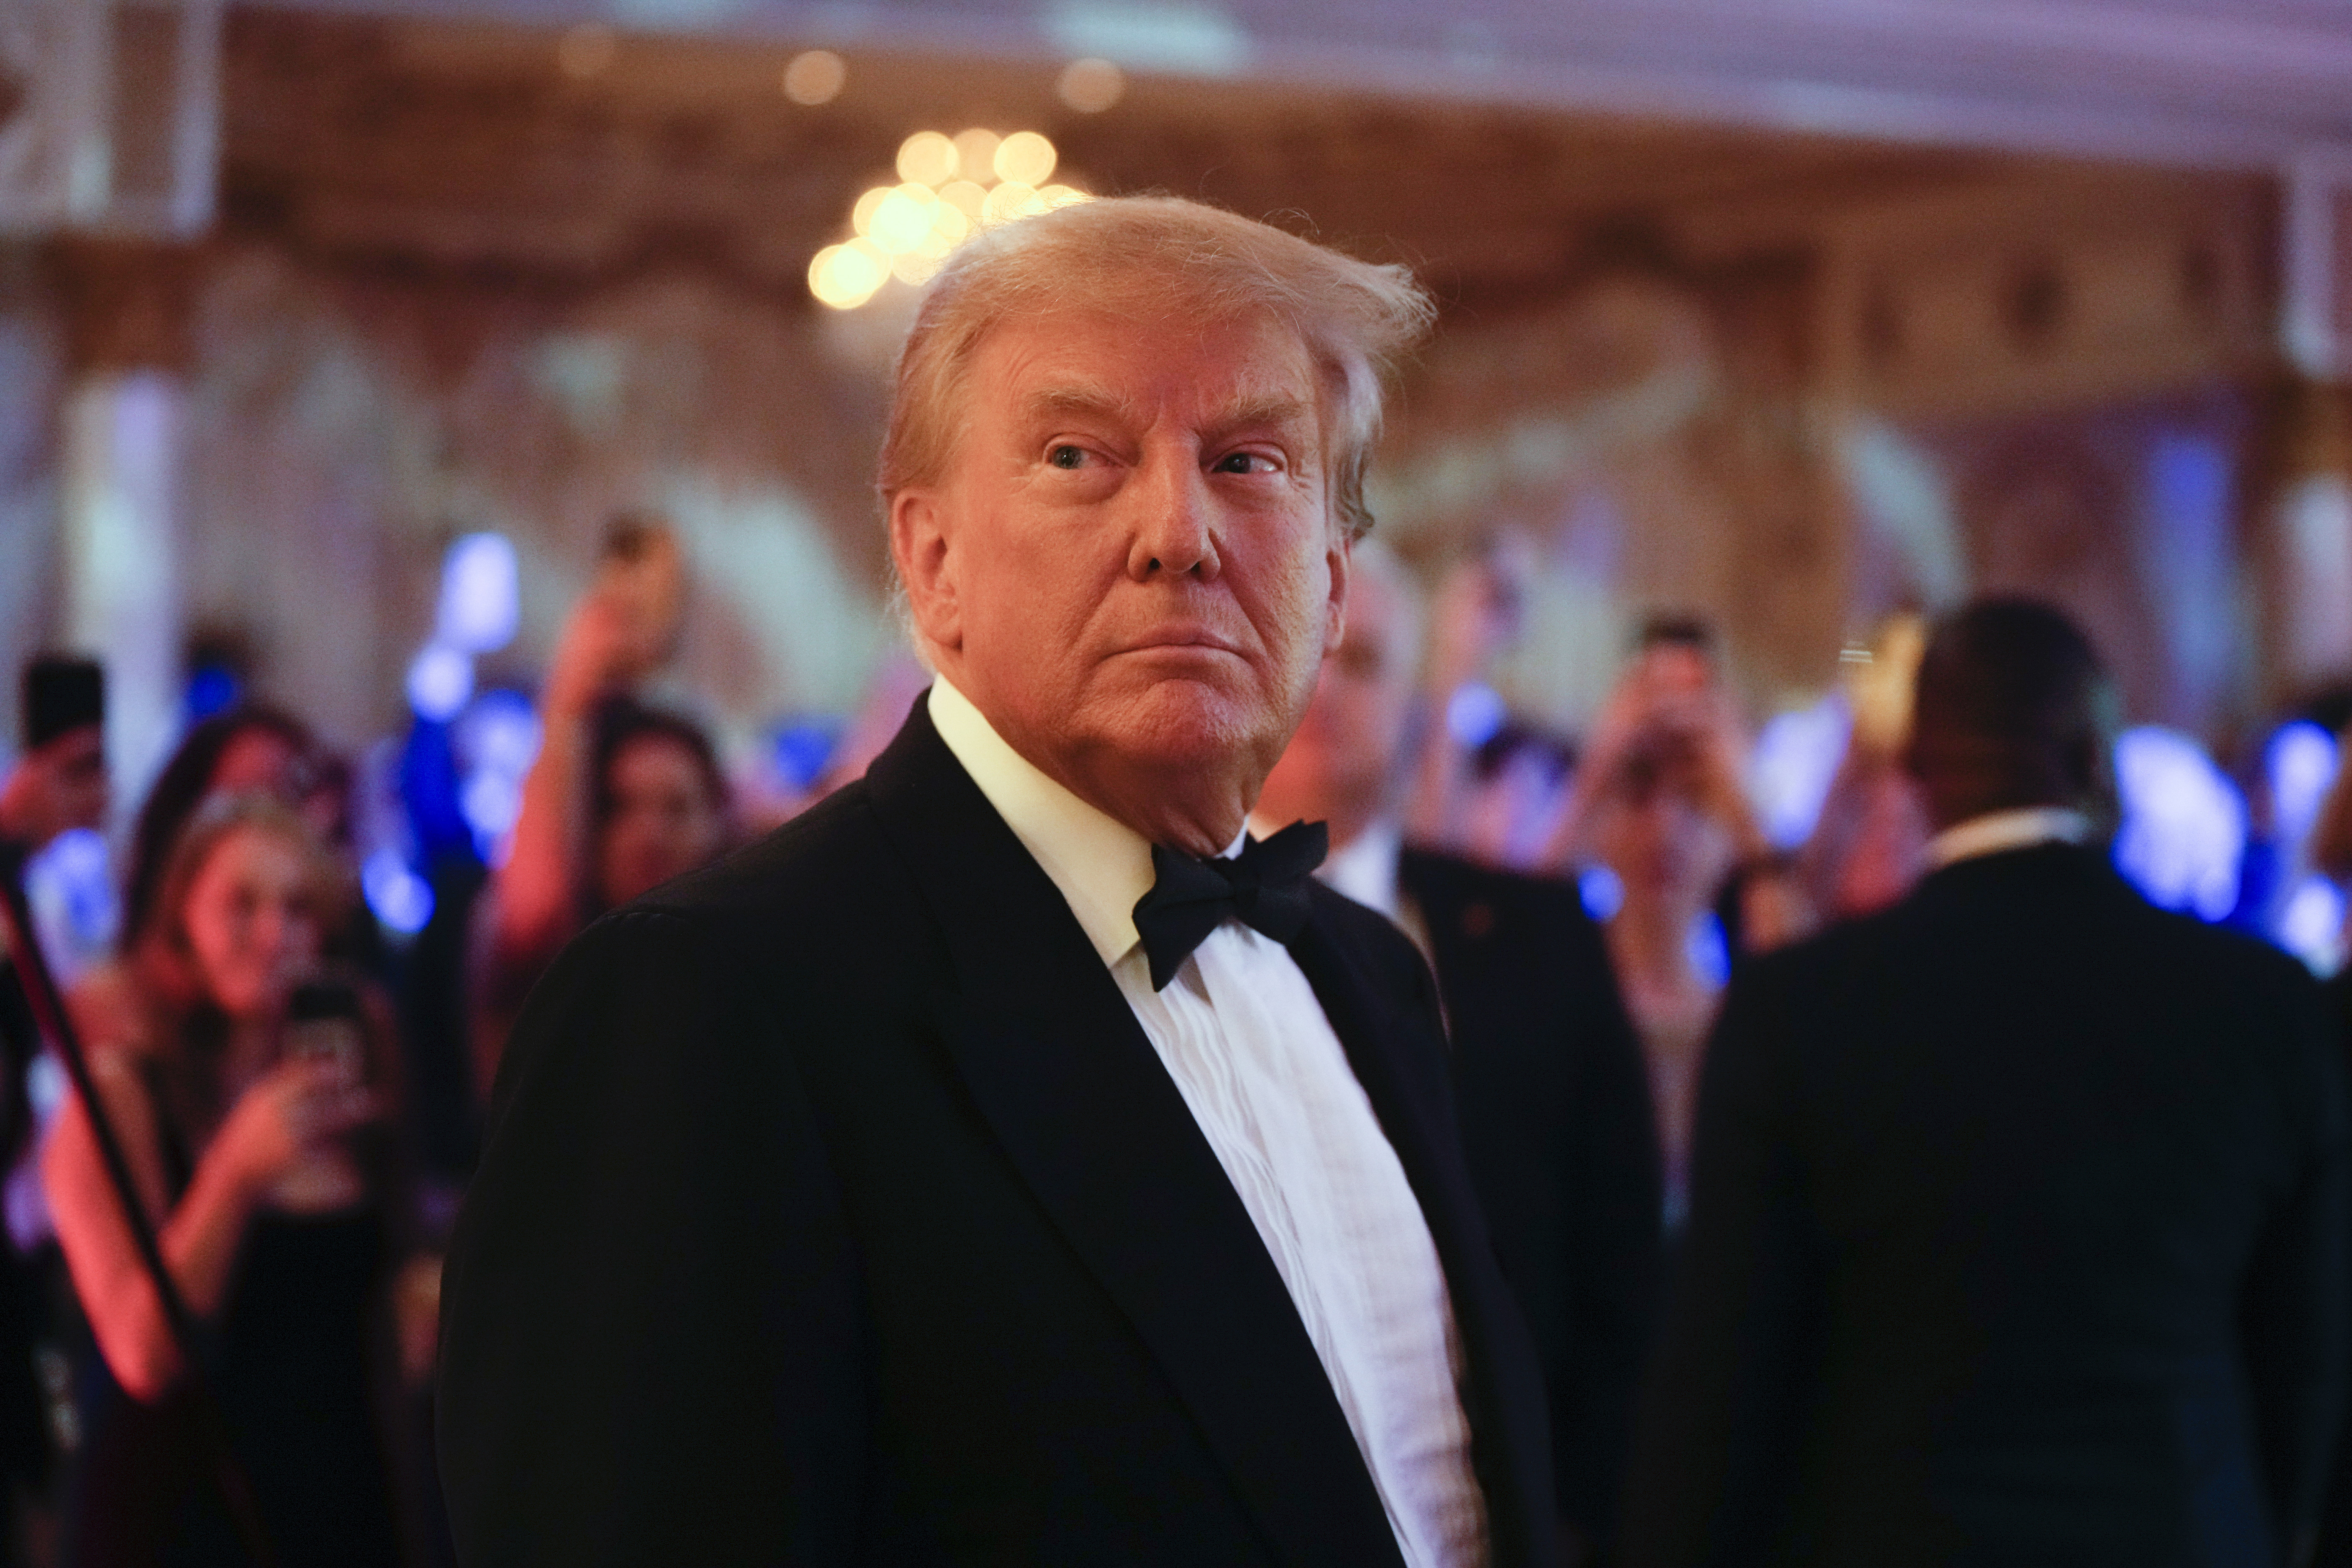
{"points": [[1143, 363]]}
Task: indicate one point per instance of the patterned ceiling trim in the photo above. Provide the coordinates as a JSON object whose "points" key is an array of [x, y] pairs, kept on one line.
{"points": [[2227, 83]]}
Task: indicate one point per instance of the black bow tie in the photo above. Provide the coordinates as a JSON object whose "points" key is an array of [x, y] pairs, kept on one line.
{"points": [[1264, 887]]}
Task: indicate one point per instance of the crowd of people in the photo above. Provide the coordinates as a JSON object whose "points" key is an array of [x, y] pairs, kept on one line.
{"points": [[277, 1180], [1676, 1170]]}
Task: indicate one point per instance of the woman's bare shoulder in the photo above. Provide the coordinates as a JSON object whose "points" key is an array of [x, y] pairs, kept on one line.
{"points": [[113, 1013]]}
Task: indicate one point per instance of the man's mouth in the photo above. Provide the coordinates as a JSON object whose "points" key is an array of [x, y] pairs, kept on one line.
{"points": [[1182, 635]]}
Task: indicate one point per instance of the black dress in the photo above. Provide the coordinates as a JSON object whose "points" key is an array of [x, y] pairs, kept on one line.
{"points": [[291, 1360]]}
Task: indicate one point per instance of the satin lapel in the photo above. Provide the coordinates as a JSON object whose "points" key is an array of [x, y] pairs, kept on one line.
{"points": [[1081, 1103], [1504, 1392]]}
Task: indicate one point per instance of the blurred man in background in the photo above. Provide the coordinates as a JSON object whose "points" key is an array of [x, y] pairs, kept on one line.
{"points": [[1554, 1106], [1660, 804], [61, 781], [2018, 1223]]}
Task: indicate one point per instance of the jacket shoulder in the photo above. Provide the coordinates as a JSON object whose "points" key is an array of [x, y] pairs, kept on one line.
{"points": [[823, 899], [1365, 933], [2109, 938], [1388, 958], [823, 852]]}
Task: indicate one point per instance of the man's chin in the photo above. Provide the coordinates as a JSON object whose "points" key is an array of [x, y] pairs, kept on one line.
{"points": [[1184, 721]]}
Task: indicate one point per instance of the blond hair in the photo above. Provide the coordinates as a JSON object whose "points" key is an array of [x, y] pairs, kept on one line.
{"points": [[162, 951], [1354, 318]]}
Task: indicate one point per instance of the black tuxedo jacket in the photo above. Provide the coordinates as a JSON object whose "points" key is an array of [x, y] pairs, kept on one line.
{"points": [[2336, 1529], [2018, 1237], [1563, 1145], [838, 1210]]}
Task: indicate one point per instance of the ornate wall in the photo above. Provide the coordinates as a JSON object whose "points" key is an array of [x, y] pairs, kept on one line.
{"points": [[348, 422], [32, 374], [1786, 381]]}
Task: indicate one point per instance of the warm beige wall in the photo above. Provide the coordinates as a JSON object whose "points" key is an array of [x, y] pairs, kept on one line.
{"points": [[1648, 436], [31, 372], [1669, 436], [345, 425]]}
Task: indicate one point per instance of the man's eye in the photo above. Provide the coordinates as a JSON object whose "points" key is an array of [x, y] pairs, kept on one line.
{"points": [[1244, 463], [1067, 455]]}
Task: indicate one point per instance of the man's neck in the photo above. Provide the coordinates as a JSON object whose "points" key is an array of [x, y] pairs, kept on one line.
{"points": [[2005, 828], [1199, 813], [1199, 810]]}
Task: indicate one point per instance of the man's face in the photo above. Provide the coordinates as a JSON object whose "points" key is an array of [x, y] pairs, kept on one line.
{"points": [[1341, 763], [1132, 559]]}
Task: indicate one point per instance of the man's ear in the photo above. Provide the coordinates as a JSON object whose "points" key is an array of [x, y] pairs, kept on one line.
{"points": [[1341, 559], [920, 546]]}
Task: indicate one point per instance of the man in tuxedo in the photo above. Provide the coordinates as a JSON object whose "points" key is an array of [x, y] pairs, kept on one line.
{"points": [[1009, 1160], [1547, 1074], [2018, 1227]]}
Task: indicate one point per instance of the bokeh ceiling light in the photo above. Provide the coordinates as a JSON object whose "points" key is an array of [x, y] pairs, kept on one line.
{"points": [[845, 276], [1091, 86], [928, 157], [1025, 158], [976, 153], [950, 187], [815, 77]]}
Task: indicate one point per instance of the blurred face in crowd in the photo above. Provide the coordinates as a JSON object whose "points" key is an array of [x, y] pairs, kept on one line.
{"points": [[1672, 668], [256, 759], [1668, 850], [250, 921], [1888, 852], [76, 788], [1131, 564], [1339, 767], [663, 820]]}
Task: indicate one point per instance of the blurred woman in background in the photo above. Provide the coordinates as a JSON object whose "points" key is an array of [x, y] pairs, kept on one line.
{"points": [[1661, 801], [256, 1145], [1669, 854], [1869, 846], [253, 748], [621, 798]]}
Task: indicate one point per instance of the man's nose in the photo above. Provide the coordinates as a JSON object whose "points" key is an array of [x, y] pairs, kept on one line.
{"points": [[1172, 531]]}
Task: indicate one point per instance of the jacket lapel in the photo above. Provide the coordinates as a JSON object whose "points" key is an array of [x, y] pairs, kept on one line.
{"points": [[1503, 1393], [1073, 1091]]}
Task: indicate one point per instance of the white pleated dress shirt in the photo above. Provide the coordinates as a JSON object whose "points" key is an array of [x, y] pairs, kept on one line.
{"points": [[1267, 1080]]}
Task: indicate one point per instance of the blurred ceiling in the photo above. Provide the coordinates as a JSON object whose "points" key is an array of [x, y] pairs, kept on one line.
{"points": [[2226, 82], [472, 145]]}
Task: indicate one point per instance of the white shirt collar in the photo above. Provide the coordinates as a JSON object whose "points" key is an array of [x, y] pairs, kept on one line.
{"points": [[1999, 830], [1365, 868], [1101, 864]]}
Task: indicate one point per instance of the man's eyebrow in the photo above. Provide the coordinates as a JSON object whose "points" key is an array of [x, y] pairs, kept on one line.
{"points": [[1272, 408], [1077, 400], [1268, 408]]}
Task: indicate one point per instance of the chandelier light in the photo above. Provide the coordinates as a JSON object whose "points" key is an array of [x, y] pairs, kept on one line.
{"points": [[950, 188]]}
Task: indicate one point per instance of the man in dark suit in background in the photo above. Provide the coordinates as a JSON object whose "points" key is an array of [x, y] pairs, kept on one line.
{"points": [[2335, 1549], [1007, 1160], [1555, 1103], [2018, 1231]]}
